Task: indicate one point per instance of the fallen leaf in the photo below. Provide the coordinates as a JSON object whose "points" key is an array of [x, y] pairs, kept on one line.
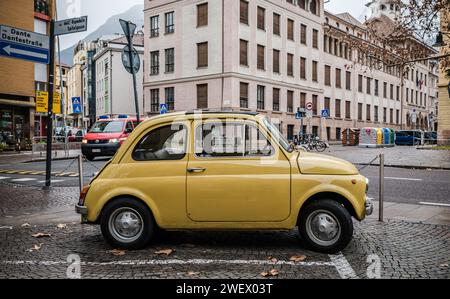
{"points": [[61, 226], [298, 258], [36, 247], [41, 235], [117, 252], [272, 273], [165, 251], [192, 273], [444, 265], [26, 225]]}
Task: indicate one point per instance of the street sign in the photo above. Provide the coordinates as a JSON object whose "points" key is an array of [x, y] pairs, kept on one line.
{"points": [[42, 102], [25, 45], [163, 109], [298, 115], [128, 28], [325, 113], [414, 116], [126, 60], [309, 106], [76, 105], [71, 26]]}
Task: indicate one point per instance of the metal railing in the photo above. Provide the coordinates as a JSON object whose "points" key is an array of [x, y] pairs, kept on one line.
{"points": [[61, 147]]}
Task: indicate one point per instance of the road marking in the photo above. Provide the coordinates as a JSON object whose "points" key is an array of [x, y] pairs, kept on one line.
{"points": [[402, 179], [343, 267], [23, 180], [434, 204], [172, 262], [4, 178], [53, 181]]}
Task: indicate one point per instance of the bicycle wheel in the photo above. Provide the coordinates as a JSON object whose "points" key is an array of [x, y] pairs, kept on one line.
{"points": [[320, 147]]}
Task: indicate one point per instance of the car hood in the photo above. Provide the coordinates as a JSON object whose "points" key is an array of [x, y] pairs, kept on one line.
{"points": [[310, 163]]}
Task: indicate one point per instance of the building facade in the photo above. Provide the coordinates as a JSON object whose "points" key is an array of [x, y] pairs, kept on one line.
{"points": [[274, 57], [19, 80], [444, 85], [61, 73]]}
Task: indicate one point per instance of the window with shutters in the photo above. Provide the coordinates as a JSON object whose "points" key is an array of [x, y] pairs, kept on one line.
{"points": [[385, 90], [276, 24], [276, 99], [202, 14], [290, 29], [261, 58], [170, 60], [303, 100], [376, 87], [202, 54], [244, 95], [368, 112], [338, 78], [360, 107], [303, 68], [391, 114], [290, 101], [261, 18], [315, 102], [202, 96], [391, 95], [290, 65], [315, 39], [348, 80], [347, 109], [328, 75], [369, 86], [154, 63], [243, 52], [302, 4], [384, 115], [398, 93], [338, 108], [170, 98], [244, 12], [397, 116], [315, 77], [360, 83], [154, 100], [276, 61], [407, 95], [154, 26], [303, 34], [260, 97]]}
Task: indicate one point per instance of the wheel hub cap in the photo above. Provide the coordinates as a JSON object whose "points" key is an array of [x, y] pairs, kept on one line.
{"points": [[323, 228], [126, 224]]}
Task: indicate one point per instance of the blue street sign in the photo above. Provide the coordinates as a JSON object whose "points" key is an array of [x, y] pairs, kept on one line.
{"points": [[76, 105], [298, 115], [325, 113], [32, 54], [163, 109]]}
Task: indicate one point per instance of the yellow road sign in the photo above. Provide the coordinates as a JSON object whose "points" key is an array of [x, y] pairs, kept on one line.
{"points": [[42, 102]]}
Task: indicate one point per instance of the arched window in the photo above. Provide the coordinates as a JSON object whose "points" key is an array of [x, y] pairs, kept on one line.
{"points": [[314, 7], [302, 4]]}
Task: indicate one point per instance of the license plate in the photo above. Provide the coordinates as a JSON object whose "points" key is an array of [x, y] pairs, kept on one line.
{"points": [[96, 150]]}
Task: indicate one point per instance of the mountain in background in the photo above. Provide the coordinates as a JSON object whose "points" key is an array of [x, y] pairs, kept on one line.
{"points": [[111, 26]]}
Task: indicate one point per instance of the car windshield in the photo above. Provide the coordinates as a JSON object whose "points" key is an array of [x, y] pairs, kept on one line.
{"points": [[277, 135], [107, 127]]}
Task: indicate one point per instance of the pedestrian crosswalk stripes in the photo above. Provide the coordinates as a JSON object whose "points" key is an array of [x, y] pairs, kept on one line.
{"points": [[38, 172]]}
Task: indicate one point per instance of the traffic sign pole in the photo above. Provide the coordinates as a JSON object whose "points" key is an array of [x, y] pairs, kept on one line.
{"points": [[130, 35], [51, 70]]}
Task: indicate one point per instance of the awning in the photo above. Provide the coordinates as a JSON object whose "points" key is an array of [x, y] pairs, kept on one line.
{"points": [[17, 103]]}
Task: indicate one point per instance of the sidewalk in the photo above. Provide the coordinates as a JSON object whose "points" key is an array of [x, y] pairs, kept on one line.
{"points": [[27, 156], [399, 156]]}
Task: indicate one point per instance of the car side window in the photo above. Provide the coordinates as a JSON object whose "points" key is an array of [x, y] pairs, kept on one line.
{"points": [[164, 143], [230, 140], [129, 127]]}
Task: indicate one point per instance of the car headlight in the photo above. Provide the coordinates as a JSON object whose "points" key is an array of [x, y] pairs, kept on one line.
{"points": [[84, 141], [115, 140], [367, 185]]}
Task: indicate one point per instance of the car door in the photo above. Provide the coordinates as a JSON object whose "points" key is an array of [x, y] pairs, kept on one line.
{"points": [[236, 174]]}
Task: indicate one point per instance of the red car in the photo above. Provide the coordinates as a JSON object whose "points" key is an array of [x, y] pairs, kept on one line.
{"points": [[106, 136]]}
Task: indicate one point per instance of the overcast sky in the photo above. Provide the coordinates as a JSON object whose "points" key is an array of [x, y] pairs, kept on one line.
{"points": [[99, 11]]}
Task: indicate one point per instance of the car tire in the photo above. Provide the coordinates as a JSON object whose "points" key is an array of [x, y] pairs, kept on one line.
{"points": [[127, 223], [325, 226], [90, 158]]}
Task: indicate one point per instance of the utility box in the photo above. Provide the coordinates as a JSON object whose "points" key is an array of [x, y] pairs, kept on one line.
{"points": [[350, 137]]}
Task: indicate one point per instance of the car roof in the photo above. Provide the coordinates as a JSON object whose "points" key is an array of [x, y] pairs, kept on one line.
{"points": [[203, 115]]}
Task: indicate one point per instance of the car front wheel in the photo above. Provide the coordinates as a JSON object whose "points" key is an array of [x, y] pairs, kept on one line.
{"points": [[127, 224], [325, 226]]}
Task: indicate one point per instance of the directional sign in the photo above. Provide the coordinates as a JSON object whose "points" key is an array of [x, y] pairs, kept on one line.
{"points": [[71, 25], [325, 113], [128, 28], [76, 105], [163, 109], [298, 115], [309, 106], [25, 45], [126, 60]]}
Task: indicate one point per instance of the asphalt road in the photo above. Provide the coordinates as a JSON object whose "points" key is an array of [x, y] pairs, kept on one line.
{"points": [[401, 185]]}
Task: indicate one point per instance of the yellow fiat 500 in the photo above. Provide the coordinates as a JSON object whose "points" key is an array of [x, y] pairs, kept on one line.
{"points": [[222, 171]]}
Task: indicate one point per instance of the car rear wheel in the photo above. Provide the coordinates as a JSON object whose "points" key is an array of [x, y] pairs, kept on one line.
{"points": [[325, 226], [127, 224]]}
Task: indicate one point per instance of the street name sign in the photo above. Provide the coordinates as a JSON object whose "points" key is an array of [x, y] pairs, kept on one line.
{"points": [[25, 45], [71, 26]]}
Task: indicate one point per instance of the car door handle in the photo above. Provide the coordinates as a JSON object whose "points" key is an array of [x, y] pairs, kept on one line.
{"points": [[196, 169]]}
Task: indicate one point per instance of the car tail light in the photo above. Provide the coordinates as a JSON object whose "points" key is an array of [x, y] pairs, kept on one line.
{"points": [[83, 195]]}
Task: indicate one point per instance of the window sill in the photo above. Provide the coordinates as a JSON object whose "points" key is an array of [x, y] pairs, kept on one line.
{"points": [[245, 109], [277, 112], [169, 33], [202, 67], [154, 36], [261, 111], [168, 73], [244, 66], [338, 118], [153, 75]]}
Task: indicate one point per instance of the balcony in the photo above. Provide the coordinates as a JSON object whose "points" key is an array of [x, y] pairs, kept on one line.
{"points": [[42, 10]]}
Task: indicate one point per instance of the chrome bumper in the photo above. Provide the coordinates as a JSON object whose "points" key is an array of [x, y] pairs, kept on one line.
{"points": [[83, 211], [369, 207]]}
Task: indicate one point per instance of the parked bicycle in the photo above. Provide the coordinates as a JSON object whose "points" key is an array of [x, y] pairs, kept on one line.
{"points": [[311, 142]]}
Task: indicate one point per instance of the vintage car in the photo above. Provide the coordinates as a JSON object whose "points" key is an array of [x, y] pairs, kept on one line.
{"points": [[222, 171]]}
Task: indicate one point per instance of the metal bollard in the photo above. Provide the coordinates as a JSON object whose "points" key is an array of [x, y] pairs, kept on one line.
{"points": [[381, 189], [80, 172]]}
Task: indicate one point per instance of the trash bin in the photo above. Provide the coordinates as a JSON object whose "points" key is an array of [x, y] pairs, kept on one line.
{"points": [[386, 136], [379, 136], [368, 137], [392, 135], [350, 137]]}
